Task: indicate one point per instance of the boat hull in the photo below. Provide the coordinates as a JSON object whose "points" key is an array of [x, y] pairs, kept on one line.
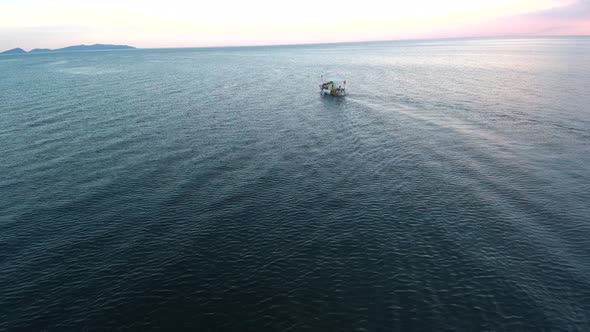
{"points": [[334, 93]]}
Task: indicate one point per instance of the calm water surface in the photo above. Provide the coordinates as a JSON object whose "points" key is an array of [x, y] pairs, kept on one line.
{"points": [[214, 189]]}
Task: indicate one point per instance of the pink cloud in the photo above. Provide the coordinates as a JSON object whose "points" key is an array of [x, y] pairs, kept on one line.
{"points": [[572, 18]]}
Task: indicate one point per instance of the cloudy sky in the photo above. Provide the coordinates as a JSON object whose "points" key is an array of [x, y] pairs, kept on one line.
{"points": [[179, 23]]}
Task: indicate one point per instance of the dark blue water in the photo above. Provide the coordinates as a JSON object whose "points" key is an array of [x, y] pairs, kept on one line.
{"points": [[214, 189]]}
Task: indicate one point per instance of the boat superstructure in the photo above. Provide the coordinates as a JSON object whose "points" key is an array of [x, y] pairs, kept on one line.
{"points": [[333, 86]]}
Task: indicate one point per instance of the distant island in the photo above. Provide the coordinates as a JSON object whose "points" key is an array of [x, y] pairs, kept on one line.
{"points": [[15, 51], [76, 48]]}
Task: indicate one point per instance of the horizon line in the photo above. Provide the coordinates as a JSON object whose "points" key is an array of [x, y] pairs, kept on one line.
{"points": [[368, 41], [320, 43]]}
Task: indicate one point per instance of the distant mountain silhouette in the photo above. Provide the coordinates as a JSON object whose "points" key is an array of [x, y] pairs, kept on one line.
{"points": [[75, 48], [95, 47], [39, 50], [14, 51]]}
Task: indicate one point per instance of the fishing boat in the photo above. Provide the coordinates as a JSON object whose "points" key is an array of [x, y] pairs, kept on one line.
{"points": [[333, 86]]}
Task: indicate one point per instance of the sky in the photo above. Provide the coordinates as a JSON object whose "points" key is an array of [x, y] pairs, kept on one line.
{"points": [[182, 23]]}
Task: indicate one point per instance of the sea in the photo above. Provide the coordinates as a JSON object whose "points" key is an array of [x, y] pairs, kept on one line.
{"points": [[215, 189]]}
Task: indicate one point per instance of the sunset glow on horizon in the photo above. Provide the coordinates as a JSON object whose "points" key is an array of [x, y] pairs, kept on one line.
{"points": [[178, 23]]}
